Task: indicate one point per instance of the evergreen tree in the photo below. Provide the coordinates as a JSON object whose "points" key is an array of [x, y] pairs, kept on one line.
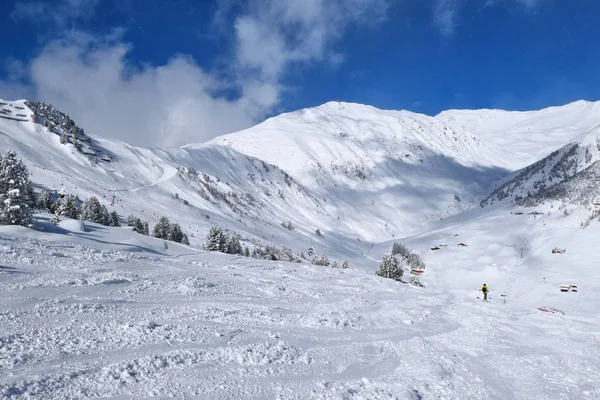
{"points": [[162, 228], [246, 252], [16, 191], [399, 248], [67, 206], [44, 201], [145, 228], [93, 211], [104, 216], [334, 265], [390, 268], [233, 244], [113, 219], [345, 264], [138, 225], [215, 240], [175, 233], [131, 220], [321, 260]]}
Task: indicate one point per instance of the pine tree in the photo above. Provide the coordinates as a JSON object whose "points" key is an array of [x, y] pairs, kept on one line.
{"points": [[131, 220], [162, 228], [321, 260], [334, 265], [390, 268], [67, 206], [16, 191], [233, 244], [399, 248], [246, 252], [138, 225], [104, 216], [345, 264], [44, 201], [215, 240], [113, 219], [145, 228], [175, 233]]}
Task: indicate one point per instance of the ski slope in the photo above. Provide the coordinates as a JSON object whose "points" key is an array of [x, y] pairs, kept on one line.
{"points": [[106, 313]]}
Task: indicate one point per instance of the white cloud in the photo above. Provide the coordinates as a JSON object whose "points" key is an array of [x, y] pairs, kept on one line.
{"points": [[167, 105], [444, 16], [273, 34], [61, 13], [93, 80], [529, 3]]}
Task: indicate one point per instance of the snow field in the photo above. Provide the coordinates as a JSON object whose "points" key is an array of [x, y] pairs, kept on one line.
{"points": [[93, 321]]}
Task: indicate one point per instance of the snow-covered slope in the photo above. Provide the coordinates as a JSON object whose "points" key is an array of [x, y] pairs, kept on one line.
{"points": [[97, 312], [384, 163], [567, 177], [344, 169], [526, 137]]}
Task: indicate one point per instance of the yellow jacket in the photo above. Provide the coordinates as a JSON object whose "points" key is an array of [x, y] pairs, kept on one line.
{"points": [[484, 289]]}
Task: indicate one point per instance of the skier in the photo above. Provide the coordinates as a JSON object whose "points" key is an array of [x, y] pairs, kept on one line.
{"points": [[484, 289]]}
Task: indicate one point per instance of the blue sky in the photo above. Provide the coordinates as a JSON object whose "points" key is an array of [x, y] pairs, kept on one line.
{"points": [[168, 72]]}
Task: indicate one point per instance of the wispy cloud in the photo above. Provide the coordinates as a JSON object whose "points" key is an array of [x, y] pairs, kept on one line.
{"points": [[444, 15], [272, 35], [61, 14]]}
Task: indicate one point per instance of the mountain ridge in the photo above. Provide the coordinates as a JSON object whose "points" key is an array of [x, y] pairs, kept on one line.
{"points": [[346, 169]]}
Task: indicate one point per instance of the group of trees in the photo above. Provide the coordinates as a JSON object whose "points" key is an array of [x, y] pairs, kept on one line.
{"points": [[392, 265], [138, 225], [324, 261], [18, 202], [164, 229], [217, 240]]}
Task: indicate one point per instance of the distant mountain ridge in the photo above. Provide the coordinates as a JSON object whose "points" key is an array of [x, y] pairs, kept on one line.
{"points": [[353, 172]]}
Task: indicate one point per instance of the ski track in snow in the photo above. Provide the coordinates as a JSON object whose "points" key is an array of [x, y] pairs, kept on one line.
{"points": [[85, 323]]}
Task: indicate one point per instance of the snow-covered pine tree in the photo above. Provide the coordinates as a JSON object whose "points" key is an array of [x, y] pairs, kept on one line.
{"points": [[105, 215], [131, 220], [16, 191], [162, 228], [67, 206], [175, 233], [44, 201], [399, 248], [113, 219], [145, 228], [138, 225], [93, 211], [321, 260], [246, 252], [390, 268], [334, 265], [345, 264], [233, 244], [215, 240]]}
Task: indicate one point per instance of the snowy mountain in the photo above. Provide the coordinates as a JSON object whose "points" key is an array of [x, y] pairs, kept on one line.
{"points": [[103, 312], [569, 176], [525, 137]]}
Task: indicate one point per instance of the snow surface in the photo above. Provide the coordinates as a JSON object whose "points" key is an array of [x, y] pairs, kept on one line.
{"points": [[84, 319], [90, 311]]}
